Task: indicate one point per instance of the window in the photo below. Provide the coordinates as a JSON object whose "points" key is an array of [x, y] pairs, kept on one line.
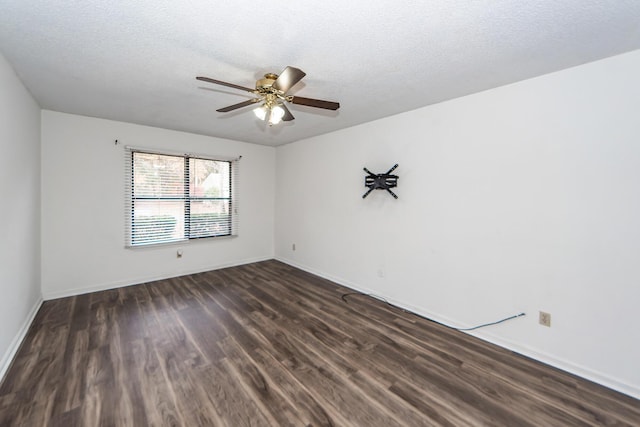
{"points": [[173, 198]]}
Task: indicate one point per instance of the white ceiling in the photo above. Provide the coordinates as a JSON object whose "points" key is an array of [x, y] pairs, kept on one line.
{"points": [[136, 61]]}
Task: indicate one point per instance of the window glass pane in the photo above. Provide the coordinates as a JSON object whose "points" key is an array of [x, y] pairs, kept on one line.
{"points": [[157, 221], [210, 218], [209, 178], [157, 175]]}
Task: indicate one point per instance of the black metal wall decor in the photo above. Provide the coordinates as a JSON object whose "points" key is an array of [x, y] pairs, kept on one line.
{"points": [[381, 181]]}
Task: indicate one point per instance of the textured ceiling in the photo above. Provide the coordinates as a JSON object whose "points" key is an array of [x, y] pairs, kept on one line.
{"points": [[136, 61]]}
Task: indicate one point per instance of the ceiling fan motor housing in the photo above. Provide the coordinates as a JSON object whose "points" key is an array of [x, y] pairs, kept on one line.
{"points": [[267, 82]]}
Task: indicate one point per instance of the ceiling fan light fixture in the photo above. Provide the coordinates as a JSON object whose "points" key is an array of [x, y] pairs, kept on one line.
{"points": [[277, 113], [261, 112]]}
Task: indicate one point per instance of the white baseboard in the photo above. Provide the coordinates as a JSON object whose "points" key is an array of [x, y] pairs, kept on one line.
{"points": [[138, 280], [565, 365], [562, 364], [7, 358]]}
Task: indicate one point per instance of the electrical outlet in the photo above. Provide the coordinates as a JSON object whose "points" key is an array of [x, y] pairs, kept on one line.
{"points": [[545, 319], [293, 247]]}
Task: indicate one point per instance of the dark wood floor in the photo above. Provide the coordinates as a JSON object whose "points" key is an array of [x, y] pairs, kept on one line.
{"points": [[266, 344]]}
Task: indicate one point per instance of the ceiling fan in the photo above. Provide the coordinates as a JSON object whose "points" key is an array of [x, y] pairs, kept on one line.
{"points": [[271, 91]]}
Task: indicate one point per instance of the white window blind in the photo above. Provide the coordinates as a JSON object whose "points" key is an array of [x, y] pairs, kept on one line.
{"points": [[173, 198]]}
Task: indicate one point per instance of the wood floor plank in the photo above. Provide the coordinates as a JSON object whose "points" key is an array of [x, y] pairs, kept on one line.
{"points": [[256, 383], [295, 391], [158, 397], [228, 397], [72, 391], [266, 344], [438, 411]]}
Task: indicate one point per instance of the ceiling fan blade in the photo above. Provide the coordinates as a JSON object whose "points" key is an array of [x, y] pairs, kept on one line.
{"points": [[318, 103], [239, 105], [289, 77], [287, 114], [218, 82]]}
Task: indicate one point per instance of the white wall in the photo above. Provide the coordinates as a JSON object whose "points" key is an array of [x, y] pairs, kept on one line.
{"points": [[521, 198], [83, 206], [20, 294]]}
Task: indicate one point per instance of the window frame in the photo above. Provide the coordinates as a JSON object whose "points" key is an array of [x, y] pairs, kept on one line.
{"points": [[187, 198]]}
